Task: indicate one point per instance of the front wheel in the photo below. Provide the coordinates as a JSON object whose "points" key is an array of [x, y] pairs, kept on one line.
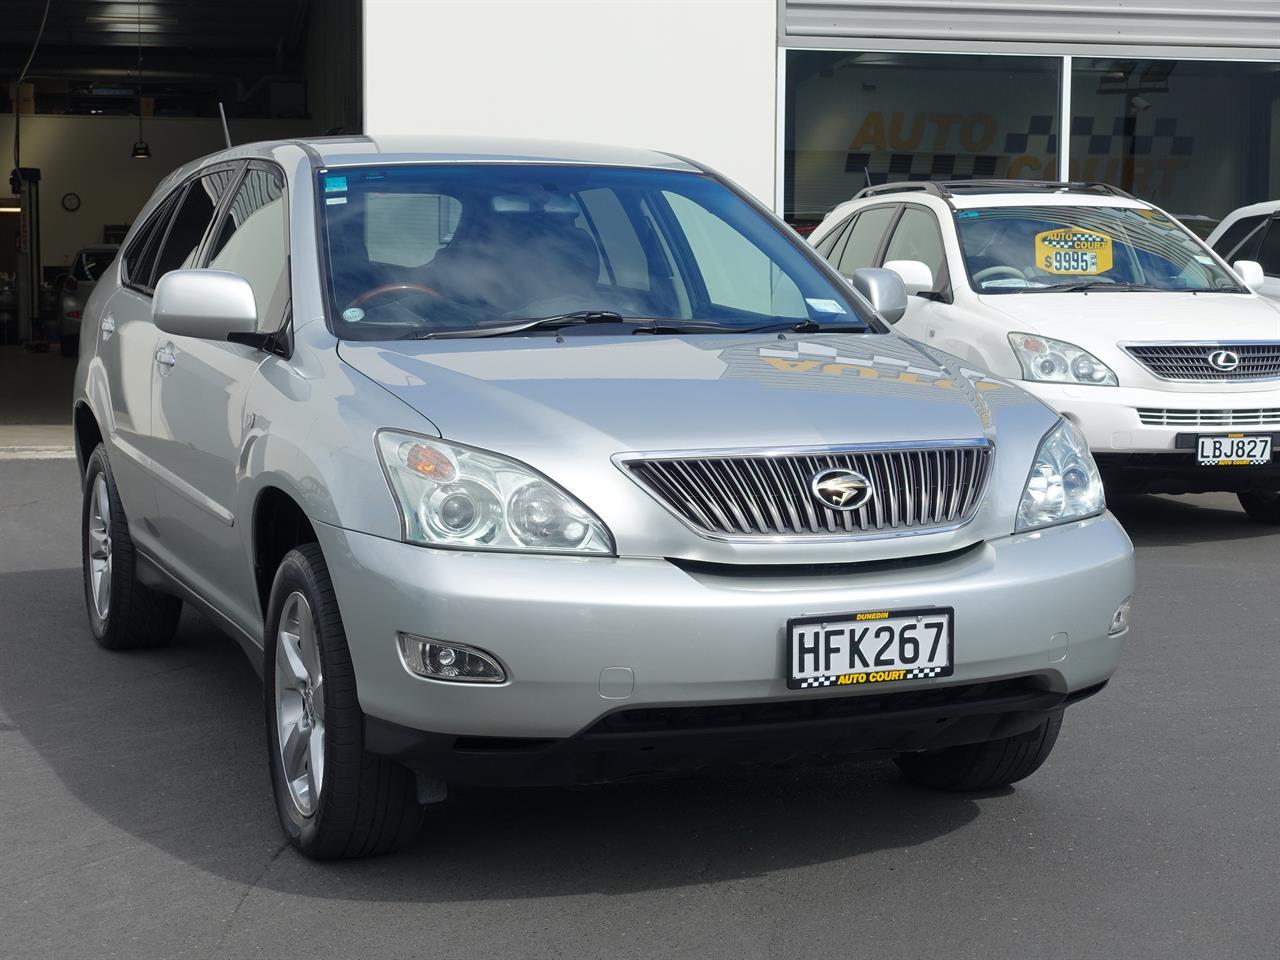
{"points": [[335, 799], [1261, 505], [983, 766]]}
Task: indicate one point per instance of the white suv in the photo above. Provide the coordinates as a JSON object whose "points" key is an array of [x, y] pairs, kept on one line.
{"points": [[1252, 233], [1104, 306]]}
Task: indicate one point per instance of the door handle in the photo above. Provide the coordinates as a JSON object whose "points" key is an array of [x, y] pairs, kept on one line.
{"points": [[165, 356]]}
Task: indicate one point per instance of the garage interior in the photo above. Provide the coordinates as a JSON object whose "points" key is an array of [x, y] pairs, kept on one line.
{"points": [[116, 95]]}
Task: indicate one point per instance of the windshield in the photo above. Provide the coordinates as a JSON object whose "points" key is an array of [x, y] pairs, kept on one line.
{"points": [[1043, 248], [425, 249]]}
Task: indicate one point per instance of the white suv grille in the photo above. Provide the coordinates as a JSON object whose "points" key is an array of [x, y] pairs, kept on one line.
{"points": [[1191, 362]]}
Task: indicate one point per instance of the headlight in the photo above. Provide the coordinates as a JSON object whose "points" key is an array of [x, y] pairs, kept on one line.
{"points": [[455, 496], [1064, 482], [1052, 361]]}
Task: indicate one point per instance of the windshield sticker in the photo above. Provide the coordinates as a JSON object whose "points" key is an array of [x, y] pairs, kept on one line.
{"points": [[335, 184], [824, 306], [967, 214], [353, 314], [334, 201], [1201, 258], [1073, 251]]}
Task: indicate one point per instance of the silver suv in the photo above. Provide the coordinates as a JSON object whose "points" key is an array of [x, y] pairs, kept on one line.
{"points": [[545, 463]]}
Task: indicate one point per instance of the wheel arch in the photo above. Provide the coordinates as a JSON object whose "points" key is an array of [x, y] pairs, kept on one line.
{"points": [[87, 433], [279, 524]]}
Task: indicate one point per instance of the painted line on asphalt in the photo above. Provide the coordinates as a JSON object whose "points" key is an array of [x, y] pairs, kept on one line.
{"points": [[37, 453]]}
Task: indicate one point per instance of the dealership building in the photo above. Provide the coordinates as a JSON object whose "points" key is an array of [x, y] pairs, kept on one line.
{"points": [[806, 101]]}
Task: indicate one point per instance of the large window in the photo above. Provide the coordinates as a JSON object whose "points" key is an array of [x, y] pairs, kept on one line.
{"points": [[859, 118], [1195, 137], [1198, 138]]}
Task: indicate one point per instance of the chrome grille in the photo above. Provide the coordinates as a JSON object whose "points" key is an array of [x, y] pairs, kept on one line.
{"points": [[746, 494], [1254, 417], [1259, 360]]}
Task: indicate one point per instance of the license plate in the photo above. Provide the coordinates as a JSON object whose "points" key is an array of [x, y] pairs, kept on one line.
{"points": [[1233, 450], [874, 646]]}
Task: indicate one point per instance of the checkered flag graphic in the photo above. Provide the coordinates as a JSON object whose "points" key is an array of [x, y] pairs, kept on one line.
{"points": [[817, 682], [920, 672]]}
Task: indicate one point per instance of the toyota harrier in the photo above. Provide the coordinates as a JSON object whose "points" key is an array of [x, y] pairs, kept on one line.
{"points": [[537, 463]]}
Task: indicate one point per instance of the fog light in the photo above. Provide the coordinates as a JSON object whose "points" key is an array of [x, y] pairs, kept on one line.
{"points": [[448, 661], [1120, 619]]}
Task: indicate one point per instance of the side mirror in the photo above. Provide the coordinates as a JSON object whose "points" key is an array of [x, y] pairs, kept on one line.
{"points": [[1250, 273], [206, 304], [884, 289], [916, 276]]}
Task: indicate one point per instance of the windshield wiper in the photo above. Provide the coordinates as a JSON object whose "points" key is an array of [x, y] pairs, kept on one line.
{"points": [[1081, 285], [574, 319], [795, 326]]}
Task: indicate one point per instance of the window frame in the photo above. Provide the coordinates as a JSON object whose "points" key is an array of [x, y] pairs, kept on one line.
{"points": [[168, 207], [877, 257], [282, 334], [944, 293]]}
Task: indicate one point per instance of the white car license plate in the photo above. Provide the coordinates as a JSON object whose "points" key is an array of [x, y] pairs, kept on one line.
{"points": [[875, 646], [1233, 450]]}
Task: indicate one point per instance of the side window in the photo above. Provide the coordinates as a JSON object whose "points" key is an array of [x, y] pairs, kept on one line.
{"points": [[864, 239], [253, 241], [1269, 250], [736, 273], [188, 227], [917, 237], [622, 260], [140, 257], [1239, 236], [408, 229], [828, 243]]}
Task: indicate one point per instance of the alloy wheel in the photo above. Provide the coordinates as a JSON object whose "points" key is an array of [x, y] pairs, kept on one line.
{"points": [[300, 704], [100, 547]]}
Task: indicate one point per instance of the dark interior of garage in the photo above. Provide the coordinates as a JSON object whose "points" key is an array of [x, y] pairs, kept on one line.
{"points": [[114, 95]]}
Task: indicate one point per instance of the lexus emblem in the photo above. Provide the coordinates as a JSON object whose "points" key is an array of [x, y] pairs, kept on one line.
{"points": [[842, 489], [1224, 360]]}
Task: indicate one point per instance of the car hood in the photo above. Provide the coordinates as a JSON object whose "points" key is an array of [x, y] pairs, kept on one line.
{"points": [[675, 393], [569, 407], [1091, 319]]}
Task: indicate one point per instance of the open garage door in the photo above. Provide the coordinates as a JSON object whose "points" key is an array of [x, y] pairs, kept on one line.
{"points": [[117, 95]]}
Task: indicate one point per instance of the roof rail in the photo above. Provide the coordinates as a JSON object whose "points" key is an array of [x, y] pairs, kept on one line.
{"points": [[1070, 186], [924, 186]]}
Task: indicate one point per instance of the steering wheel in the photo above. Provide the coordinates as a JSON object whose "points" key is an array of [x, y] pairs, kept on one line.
{"points": [[386, 288], [999, 270]]}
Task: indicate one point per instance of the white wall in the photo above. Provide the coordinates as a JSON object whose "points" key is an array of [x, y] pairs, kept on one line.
{"points": [[696, 77], [91, 156]]}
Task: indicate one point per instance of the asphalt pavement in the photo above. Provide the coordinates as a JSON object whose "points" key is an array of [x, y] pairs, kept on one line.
{"points": [[136, 817]]}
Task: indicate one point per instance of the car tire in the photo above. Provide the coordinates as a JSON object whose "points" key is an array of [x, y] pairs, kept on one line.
{"points": [[335, 799], [983, 766], [69, 346], [124, 613], [1261, 505]]}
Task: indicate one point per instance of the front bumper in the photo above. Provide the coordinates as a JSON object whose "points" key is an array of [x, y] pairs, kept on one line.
{"points": [[1032, 606], [1111, 423]]}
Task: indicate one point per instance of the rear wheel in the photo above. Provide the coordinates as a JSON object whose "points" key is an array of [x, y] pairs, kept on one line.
{"points": [[123, 613], [983, 766], [335, 799], [1261, 505]]}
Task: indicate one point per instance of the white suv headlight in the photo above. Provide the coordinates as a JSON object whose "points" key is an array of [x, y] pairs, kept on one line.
{"points": [[1053, 361], [450, 495], [1064, 483]]}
